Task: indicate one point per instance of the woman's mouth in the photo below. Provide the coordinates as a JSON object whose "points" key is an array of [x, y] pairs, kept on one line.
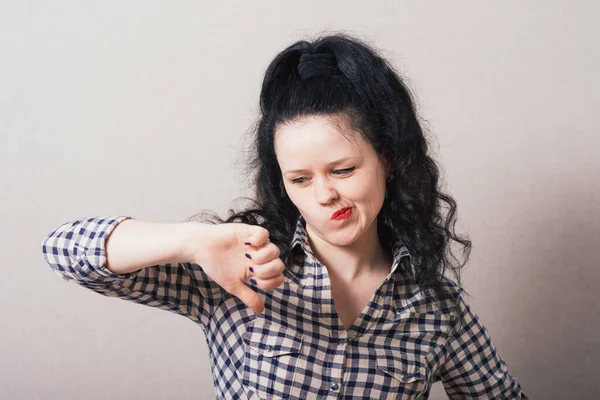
{"points": [[342, 214]]}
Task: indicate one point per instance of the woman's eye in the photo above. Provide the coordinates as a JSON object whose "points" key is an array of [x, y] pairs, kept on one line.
{"points": [[344, 171], [338, 172]]}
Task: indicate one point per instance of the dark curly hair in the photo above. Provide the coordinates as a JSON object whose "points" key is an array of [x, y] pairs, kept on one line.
{"points": [[364, 87]]}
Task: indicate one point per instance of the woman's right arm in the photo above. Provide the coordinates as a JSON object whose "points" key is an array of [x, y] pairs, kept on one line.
{"points": [[136, 244], [144, 262]]}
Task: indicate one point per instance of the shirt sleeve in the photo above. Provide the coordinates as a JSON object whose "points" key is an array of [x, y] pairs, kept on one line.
{"points": [[76, 252], [473, 369]]}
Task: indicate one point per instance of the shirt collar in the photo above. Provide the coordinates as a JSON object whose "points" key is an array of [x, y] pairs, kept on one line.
{"points": [[303, 265]]}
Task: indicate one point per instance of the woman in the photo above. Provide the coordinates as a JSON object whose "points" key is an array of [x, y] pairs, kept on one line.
{"points": [[334, 284]]}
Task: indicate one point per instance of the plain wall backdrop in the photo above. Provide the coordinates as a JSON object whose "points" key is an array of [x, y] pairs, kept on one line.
{"points": [[141, 108]]}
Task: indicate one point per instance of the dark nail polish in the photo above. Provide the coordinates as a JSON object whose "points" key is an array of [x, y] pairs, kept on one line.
{"points": [[248, 256], [247, 243], [253, 281], [251, 269]]}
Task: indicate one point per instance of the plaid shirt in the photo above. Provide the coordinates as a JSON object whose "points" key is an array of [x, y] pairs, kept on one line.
{"points": [[298, 348]]}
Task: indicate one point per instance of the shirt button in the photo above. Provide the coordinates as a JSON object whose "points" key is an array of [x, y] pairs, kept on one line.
{"points": [[335, 387], [269, 348], [342, 341]]}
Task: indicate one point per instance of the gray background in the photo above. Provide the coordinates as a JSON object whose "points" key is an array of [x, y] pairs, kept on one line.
{"points": [[140, 108]]}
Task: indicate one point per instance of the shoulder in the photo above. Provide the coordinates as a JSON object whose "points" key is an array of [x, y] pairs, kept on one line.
{"points": [[454, 303], [453, 288]]}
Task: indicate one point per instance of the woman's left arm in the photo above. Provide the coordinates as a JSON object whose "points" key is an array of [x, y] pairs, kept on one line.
{"points": [[473, 368]]}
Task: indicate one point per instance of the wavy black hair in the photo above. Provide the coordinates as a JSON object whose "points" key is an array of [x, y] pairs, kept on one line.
{"points": [[364, 87]]}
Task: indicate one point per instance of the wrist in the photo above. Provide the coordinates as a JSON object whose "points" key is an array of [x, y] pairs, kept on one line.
{"points": [[193, 236]]}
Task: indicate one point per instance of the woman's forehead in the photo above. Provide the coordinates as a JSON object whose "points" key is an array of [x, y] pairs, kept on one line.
{"points": [[316, 132]]}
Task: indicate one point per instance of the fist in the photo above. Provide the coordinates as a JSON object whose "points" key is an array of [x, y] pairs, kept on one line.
{"points": [[232, 253]]}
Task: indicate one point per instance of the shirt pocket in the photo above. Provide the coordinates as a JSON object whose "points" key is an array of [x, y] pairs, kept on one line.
{"points": [[271, 353], [400, 377]]}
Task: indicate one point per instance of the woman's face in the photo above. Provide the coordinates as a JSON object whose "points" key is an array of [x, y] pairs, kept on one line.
{"points": [[307, 151]]}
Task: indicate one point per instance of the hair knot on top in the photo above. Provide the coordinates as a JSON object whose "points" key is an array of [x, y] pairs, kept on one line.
{"points": [[320, 64]]}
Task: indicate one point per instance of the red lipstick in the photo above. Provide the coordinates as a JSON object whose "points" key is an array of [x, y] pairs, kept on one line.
{"points": [[342, 214]]}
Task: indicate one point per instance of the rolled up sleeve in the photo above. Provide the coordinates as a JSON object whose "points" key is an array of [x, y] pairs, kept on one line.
{"points": [[76, 251]]}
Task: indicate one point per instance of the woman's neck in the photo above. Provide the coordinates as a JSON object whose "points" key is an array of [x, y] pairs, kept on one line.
{"points": [[362, 258]]}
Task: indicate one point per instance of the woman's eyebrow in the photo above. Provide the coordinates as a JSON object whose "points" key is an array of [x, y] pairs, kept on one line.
{"points": [[328, 164]]}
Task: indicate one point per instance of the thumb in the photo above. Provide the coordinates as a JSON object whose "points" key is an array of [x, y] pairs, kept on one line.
{"points": [[250, 298]]}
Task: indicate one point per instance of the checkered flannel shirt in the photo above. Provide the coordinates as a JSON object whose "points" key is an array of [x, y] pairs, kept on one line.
{"points": [[298, 347]]}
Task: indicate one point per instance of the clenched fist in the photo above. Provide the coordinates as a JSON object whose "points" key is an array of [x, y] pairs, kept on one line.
{"points": [[231, 253]]}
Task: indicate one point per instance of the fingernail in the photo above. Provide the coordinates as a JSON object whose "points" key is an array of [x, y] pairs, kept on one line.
{"points": [[248, 256], [253, 281], [251, 269], [248, 243]]}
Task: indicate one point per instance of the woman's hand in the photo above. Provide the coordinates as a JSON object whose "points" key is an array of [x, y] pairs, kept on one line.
{"points": [[222, 253]]}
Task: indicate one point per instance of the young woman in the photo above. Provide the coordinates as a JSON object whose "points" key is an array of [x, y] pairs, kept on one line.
{"points": [[333, 285]]}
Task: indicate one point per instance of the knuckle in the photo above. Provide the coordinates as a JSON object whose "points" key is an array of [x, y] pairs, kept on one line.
{"points": [[260, 257], [277, 282], [265, 232], [259, 272], [274, 252], [266, 254]]}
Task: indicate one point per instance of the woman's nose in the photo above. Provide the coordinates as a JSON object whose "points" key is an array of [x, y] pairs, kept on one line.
{"points": [[325, 193]]}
